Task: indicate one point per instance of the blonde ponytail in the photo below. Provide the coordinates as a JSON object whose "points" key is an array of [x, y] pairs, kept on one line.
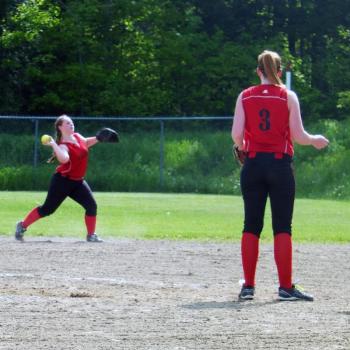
{"points": [[269, 63]]}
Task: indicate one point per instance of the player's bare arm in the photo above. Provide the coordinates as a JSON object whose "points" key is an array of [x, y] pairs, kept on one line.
{"points": [[61, 152], [91, 141], [298, 133], [238, 123]]}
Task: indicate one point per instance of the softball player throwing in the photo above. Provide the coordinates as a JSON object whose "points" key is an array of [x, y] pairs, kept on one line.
{"points": [[71, 150], [267, 119]]}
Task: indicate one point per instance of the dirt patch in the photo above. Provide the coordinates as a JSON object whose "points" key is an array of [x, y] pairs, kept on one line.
{"points": [[133, 294]]}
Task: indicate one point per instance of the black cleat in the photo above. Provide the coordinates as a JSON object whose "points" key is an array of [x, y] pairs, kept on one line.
{"points": [[20, 231], [294, 293], [94, 238], [247, 293]]}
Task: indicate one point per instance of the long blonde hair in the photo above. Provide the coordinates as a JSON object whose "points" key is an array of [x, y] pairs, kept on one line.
{"points": [[58, 136], [269, 63]]}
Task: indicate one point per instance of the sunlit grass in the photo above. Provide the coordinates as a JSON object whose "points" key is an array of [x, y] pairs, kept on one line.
{"points": [[173, 216]]}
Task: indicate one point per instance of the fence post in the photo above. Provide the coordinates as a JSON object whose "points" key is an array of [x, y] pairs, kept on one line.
{"points": [[161, 155], [36, 141], [289, 76]]}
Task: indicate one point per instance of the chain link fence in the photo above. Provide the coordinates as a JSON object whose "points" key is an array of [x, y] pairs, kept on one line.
{"points": [[158, 154]]}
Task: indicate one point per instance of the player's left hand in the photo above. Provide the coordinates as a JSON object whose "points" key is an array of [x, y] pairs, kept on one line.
{"points": [[107, 135], [239, 155]]}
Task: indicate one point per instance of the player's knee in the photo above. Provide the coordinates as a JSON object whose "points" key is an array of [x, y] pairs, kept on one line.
{"points": [[253, 228], [281, 227], [91, 209], [45, 211]]}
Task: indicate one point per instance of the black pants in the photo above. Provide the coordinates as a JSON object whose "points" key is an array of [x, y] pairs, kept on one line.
{"points": [[61, 188], [265, 176]]}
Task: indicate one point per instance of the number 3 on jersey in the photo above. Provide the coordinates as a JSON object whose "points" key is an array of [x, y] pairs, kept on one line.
{"points": [[264, 115]]}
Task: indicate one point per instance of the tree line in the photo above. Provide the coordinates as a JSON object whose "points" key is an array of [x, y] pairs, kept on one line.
{"points": [[168, 57]]}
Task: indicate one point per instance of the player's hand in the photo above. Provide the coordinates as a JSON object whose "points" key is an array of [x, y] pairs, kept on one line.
{"points": [[319, 141], [107, 135], [239, 155]]}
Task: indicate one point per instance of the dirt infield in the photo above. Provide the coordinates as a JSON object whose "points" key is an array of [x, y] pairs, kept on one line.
{"points": [[133, 294]]}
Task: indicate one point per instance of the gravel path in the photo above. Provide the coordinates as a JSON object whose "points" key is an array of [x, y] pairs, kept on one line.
{"points": [[132, 294]]}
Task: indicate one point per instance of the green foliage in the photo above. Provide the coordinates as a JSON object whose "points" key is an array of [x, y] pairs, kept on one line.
{"points": [[325, 173], [24, 178], [197, 161], [31, 19], [160, 57], [344, 102]]}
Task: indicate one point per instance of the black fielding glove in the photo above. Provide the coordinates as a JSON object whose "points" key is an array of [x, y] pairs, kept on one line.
{"points": [[107, 135]]}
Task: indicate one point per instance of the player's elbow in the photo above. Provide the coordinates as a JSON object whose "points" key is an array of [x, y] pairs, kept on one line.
{"points": [[63, 159]]}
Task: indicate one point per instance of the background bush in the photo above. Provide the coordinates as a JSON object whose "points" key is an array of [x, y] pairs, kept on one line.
{"points": [[198, 160]]}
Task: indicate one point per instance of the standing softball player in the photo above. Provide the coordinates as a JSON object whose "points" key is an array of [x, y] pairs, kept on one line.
{"points": [[267, 119], [71, 151]]}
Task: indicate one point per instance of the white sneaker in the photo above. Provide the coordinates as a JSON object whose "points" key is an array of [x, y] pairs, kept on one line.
{"points": [[20, 231]]}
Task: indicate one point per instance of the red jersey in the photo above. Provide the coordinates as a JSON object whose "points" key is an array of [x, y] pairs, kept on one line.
{"points": [[76, 167], [267, 119]]}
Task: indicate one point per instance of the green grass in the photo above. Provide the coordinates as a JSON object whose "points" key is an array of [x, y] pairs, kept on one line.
{"points": [[174, 216]]}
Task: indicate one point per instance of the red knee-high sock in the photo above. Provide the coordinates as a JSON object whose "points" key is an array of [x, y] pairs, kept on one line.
{"points": [[90, 222], [283, 258], [31, 217], [250, 253]]}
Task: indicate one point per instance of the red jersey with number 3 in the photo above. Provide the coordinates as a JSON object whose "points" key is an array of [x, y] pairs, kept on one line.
{"points": [[267, 119], [76, 167]]}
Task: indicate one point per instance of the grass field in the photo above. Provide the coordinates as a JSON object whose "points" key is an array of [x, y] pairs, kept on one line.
{"points": [[174, 216]]}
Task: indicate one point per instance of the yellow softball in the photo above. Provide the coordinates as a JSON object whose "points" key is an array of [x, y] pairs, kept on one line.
{"points": [[45, 139]]}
